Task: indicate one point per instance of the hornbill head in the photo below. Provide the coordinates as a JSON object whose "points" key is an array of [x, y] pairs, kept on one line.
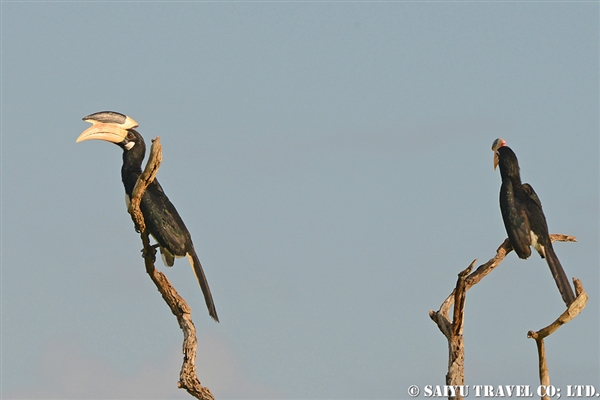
{"points": [[506, 159], [495, 146], [111, 126]]}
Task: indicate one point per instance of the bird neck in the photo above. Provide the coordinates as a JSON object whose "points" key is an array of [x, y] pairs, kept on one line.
{"points": [[132, 166], [511, 173], [509, 165]]}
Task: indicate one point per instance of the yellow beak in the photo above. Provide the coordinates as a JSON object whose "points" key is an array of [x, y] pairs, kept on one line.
{"points": [[114, 133], [100, 131], [495, 146]]}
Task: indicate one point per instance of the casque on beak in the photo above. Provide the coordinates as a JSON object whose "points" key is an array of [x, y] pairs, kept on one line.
{"points": [[113, 132]]}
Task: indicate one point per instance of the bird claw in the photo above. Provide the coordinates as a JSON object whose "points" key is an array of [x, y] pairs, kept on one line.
{"points": [[153, 247]]}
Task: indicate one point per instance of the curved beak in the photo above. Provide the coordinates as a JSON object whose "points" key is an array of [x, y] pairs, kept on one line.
{"points": [[101, 131], [109, 131], [495, 146]]}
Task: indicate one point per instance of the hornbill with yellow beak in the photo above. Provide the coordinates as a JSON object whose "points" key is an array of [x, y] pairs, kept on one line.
{"points": [[524, 219], [162, 219]]}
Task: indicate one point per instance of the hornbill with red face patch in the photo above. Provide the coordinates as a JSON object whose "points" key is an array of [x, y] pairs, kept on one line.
{"points": [[162, 219], [524, 219]]}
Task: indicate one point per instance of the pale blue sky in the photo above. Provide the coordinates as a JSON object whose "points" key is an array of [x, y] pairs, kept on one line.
{"points": [[332, 161]]}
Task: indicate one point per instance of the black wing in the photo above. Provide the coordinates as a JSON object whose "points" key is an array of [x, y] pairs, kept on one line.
{"points": [[514, 215], [537, 219], [163, 221], [544, 247], [528, 189]]}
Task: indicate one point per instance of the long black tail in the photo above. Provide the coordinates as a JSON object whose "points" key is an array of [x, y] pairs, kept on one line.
{"points": [[564, 287], [197, 267]]}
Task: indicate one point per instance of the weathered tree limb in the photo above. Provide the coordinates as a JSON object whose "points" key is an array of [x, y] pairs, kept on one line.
{"points": [[146, 178], [501, 253], [188, 379], [453, 330], [574, 309]]}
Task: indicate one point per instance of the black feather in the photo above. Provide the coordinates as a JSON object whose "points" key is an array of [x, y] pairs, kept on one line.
{"points": [[524, 220], [162, 219]]}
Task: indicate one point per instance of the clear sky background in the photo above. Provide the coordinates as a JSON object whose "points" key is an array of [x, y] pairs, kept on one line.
{"points": [[332, 161]]}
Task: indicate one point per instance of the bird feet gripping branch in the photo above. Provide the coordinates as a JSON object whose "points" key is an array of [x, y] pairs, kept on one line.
{"points": [[149, 251]]}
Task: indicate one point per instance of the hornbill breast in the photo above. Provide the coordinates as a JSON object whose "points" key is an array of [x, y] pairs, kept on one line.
{"points": [[162, 219]]}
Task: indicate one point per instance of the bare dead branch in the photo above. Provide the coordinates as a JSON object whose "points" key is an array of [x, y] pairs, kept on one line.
{"points": [[142, 183], [459, 301], [484, 269], [574, 309], [453, 330], [188, 378]]}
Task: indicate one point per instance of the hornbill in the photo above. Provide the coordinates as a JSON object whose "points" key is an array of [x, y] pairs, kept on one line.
{"points": [[524, 219], [162, 219]]}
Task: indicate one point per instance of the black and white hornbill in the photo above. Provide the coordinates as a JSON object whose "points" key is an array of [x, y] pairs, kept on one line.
{"points": [[162, 219], [524, 219]]}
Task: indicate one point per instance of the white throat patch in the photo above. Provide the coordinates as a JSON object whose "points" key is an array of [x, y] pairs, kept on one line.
{"points": [[129, 145]]}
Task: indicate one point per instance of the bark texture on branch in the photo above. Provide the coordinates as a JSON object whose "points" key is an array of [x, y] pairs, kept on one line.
{"points": [[145, 179], [188, 378], [453, 330], [501, 252], [571, 312]]}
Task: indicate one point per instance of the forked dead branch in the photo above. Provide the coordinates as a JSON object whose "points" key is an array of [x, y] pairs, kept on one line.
{"points": [[453, 330], [571, 312], [188, 378]]}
